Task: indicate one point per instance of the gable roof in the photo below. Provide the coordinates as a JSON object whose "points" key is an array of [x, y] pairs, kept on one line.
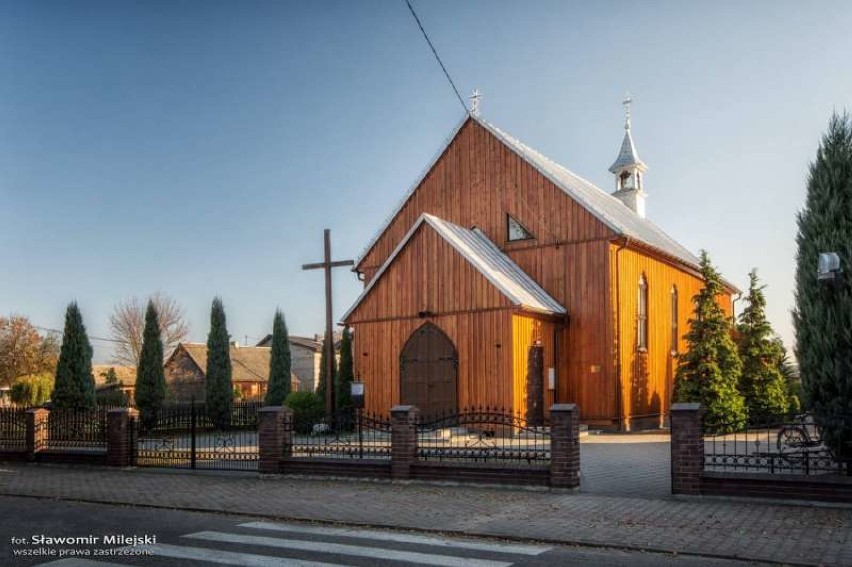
{"points": [[606, 208], [308, 343], [486, 258], [248, 364]]}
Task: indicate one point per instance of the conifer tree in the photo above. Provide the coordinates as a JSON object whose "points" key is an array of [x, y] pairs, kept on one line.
{"points": [[345, 374], [150, 376], [279, 363], [219, 388], [74, 387], [822, 318], [709, 371], [761, 384], [323, 379]]}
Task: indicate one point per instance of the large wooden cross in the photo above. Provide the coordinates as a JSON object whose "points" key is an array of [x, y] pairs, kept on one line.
{"points": [[328, 345]]}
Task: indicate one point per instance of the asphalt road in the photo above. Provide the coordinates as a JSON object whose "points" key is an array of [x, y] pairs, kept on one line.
{"points": [[174, 537]]}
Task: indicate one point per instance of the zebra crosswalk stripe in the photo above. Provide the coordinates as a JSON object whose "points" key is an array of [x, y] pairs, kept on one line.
{"points": [[346, 549], [496, 547], [222, 557]]}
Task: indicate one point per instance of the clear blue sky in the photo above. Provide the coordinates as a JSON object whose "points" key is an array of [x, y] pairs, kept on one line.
{"points": [[199, 148]]}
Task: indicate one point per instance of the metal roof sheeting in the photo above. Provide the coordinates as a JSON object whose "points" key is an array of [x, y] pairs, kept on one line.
{"points": [[604, 206], [488, 260]]}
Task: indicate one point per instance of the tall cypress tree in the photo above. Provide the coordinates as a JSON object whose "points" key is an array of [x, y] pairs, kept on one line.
{"points": [[279, 363], [709, 371], [150, 376], [822, 317], [74, 387], [323, 379], [219, 388], [345, 374], [762, 385]]}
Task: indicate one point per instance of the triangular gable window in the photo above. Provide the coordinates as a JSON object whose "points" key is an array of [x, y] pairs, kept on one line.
{"points": [[516, 231]]}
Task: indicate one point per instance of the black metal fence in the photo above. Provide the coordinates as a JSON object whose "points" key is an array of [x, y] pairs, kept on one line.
{"points": [[70, 429], [349, 435], [186, 436], [799, 444], [13, 429], [483, 435]]}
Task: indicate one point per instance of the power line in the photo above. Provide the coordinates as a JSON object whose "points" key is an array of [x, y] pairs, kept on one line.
{"points": [[91, 338], [435, 53]]}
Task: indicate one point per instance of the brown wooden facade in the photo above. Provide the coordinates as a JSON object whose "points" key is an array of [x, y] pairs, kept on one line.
{"points": [[575, 257]]}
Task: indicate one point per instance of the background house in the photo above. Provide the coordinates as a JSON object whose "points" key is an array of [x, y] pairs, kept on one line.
{"points": [[305, 353], [125, 375], [186, 368]]}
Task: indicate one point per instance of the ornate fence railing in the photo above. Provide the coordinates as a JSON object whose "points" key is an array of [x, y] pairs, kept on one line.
{"points": [[799, 444], [13, 429], [185, 435], [483, 435], [351, 434], [75, 429]]}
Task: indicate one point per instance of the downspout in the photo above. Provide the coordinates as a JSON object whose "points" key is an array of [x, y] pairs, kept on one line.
{"points": [[618, 397], [733, 308]]}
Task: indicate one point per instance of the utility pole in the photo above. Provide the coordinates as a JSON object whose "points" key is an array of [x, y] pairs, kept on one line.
{"points": [[328, 345]]}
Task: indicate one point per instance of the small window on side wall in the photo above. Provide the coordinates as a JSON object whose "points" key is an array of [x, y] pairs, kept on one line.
{"points": [[515, 231], [642, 315]]}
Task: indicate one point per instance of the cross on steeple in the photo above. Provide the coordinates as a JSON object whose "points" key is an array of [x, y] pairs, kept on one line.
{"points": [[474, 102], [626, 103]]}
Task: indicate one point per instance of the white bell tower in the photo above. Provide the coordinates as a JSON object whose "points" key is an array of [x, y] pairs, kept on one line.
{"points": [[629, 170]]}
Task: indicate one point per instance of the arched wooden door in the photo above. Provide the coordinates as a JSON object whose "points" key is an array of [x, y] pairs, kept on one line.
{"points": [[429, 371]]}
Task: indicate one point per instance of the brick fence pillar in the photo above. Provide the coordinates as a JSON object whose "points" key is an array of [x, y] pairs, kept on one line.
{"points": [[274, 437], [687, 432], [37, 432], [121, 436], [403, 440], [564, 446]]}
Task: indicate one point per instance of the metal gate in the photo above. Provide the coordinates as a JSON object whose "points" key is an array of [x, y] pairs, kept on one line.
{"points": [[186, 436]]}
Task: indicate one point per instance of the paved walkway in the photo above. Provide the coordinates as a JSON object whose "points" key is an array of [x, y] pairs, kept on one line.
{"points": [[634, 464], [786, 534]]}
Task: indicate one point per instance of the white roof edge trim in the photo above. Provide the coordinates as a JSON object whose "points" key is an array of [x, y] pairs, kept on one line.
{"points": [[558, 309], [410, 192], [385, 266], [438, 225]]}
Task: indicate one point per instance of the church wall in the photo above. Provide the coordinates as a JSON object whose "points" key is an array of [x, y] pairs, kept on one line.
{"points": [[648, 376], [526, 330], [482, 340], [475, 182], [577, 276], [428, 275]]}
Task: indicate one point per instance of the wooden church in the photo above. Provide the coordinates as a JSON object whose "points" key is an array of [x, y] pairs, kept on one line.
{"points": [[498, 249]]}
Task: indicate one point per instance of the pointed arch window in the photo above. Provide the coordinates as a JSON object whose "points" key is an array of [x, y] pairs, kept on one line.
{"points": [[515, 231], [675, 331], [642, 315]]}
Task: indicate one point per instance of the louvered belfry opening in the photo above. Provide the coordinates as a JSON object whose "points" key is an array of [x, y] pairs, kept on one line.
{"points": [[429, 371]]}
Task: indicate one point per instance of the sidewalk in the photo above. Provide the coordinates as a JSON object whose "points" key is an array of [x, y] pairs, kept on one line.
{"points": [[744, 530]]}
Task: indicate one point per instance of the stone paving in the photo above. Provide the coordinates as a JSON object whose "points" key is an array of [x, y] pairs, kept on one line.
{"points": [[746, 530], [636, 465]]}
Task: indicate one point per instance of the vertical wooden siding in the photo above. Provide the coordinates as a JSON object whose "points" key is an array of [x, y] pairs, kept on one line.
{"points": [[526, 330], [483, 343], [476, 181], [428, 275], [648, 377], [577, 276]]}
